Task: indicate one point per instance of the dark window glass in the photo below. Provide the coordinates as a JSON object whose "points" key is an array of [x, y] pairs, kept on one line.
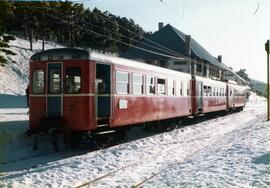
{"points": [[150, 85]]}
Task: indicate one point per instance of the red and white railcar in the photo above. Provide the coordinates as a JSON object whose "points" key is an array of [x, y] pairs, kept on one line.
{"points": [[208, 95], [237, 95], [86, 89]]}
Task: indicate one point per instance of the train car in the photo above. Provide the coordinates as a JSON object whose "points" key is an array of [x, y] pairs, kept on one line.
{"points": [[208, 95], [83, 91], [236, 95]]}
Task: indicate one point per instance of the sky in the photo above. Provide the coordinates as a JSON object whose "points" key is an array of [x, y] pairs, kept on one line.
{"points": [[235, 29]]}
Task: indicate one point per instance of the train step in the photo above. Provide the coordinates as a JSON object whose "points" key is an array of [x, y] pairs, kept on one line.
{"points": [[103, 125]]}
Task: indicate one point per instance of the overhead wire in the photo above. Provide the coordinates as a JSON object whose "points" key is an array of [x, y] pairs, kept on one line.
{"points": [[140, 48], [182, 57], [137, 34], [111, 38], [160, 47]]}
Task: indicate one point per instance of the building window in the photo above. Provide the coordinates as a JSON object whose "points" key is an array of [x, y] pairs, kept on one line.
{"points": [[161, 86], [38, 81], [162, 63], [150, 85], [199, 68], [73, 80], [149, 62], [179, 63], [122, 82], [137, 84]]}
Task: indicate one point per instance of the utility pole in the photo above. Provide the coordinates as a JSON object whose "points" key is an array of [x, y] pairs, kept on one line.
{"points": [[268, 95]]}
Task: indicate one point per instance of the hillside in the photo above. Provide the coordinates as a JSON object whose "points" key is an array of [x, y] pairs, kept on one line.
{"points": [[259, 87], [14, 76]]}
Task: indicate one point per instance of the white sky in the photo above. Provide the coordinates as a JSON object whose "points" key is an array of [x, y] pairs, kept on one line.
{"points": [[224, 27]]}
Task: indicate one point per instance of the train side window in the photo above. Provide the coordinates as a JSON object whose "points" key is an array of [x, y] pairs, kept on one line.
{"points": [[221, 92], [150, 85], [177, 88], [38, 81], [170, 87], [73, 80], [181, 88], [137, 84], [205, 91], [209, 90], [161, 86], [122, 82], [188, 89]]}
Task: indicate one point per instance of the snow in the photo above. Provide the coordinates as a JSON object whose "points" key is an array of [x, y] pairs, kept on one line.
{"points": [[229, 151], [14, 76]]}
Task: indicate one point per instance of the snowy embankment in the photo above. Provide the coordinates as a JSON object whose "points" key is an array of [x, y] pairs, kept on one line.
{"points": [[14, 76], [229, 151], [13, 108]]}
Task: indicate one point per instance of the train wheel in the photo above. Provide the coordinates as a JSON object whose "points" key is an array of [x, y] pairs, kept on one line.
{"points": [[120, 136], [75, 139]]}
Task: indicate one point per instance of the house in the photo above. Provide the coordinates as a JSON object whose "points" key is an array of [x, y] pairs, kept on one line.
{"points": [[170, 48]]}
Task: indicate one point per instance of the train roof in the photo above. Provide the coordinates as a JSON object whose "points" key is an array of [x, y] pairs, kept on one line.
{"points": [[210, 81], [60, 54]]}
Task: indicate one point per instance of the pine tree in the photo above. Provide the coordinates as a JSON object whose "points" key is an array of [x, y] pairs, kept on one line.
{"points": [[5, 10]]}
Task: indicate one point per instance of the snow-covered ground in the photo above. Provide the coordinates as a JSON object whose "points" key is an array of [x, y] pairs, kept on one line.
{"points": [[14, 76], [229, 151]]}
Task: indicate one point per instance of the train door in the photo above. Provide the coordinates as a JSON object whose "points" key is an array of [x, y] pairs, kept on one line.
{"points": [[103, 90], [199, 88], [54, 90]]}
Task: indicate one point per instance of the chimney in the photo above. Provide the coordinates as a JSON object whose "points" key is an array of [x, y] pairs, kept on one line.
{"points": [[219, 58], [160, 25], [188, 45]]}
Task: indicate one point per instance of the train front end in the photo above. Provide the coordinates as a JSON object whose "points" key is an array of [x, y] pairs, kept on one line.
{"points": [[60, 92]]}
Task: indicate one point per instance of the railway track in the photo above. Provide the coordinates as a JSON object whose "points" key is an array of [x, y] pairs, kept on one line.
{"points": [[236, 138], [171, 165]]}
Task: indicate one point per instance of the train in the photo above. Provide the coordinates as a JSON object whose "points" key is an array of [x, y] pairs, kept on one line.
{"points": [[86, 91]]}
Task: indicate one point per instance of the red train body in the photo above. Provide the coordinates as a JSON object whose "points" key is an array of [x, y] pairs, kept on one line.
{"points": [[86, 90]]}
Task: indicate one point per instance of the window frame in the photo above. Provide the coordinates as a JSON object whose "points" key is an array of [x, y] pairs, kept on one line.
{"points": [[158, 91], [49, 82], [66, 70], [135, 83], [170, 87], [147, 85], [43, 89], [122, 82]]}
